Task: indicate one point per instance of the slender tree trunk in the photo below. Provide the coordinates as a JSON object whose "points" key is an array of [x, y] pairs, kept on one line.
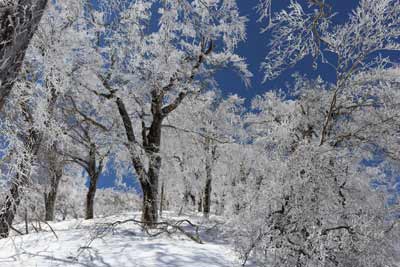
{"points": [[200, 204], [193, 199], [18, 22], [90, 196], [185, 201], [26, 221], [211, 157], [207, 198], [162, 199], [94, 174]]}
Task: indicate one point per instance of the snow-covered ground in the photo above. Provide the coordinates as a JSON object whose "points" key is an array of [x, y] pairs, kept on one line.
{"points": [[125, 246]]}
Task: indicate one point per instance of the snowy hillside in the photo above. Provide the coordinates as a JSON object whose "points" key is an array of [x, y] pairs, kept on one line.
{"points": [[125, 245]]}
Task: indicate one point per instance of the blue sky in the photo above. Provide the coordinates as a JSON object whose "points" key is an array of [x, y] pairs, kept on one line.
{"points": [[255, 50]]}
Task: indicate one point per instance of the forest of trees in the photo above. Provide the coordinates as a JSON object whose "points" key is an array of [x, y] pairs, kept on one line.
{"points": [[305, 176]]}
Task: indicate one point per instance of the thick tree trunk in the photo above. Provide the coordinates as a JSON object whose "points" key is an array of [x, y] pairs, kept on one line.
{"points": [[150, 186], [18, 22], [50, 203], [51, 196], [150, 207], [152, 143]]}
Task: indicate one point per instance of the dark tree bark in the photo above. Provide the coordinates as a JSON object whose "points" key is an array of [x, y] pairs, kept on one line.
{"points": [[18, 23], [162, 199], [55, 170], [94, 172], [193, 199], [94, 168], [26, 221], [200, 204], [207, 198]]}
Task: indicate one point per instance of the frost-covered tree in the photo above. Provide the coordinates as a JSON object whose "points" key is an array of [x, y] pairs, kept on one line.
{"points": [[321, 208], [149, 70], [34, 124], [90, 144], [24, 141], [320, 200], [197, 136], [18, 22]]}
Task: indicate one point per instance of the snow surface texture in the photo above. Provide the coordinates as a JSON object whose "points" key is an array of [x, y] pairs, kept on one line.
{"points": [[126, 246]]}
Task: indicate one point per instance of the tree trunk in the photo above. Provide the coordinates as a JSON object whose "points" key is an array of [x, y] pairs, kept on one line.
{"points": [[207, 198], [193, 199], [89, 214], [150, 194], [94, 174], [200, 204], [210, 159], [162, 199], [50, 203], [26, 221], [151, 143], [18, 22], [51, 197]]}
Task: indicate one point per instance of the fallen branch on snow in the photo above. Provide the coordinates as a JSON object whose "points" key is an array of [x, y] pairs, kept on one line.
{"points": [[157, 229], [165, 227]]}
